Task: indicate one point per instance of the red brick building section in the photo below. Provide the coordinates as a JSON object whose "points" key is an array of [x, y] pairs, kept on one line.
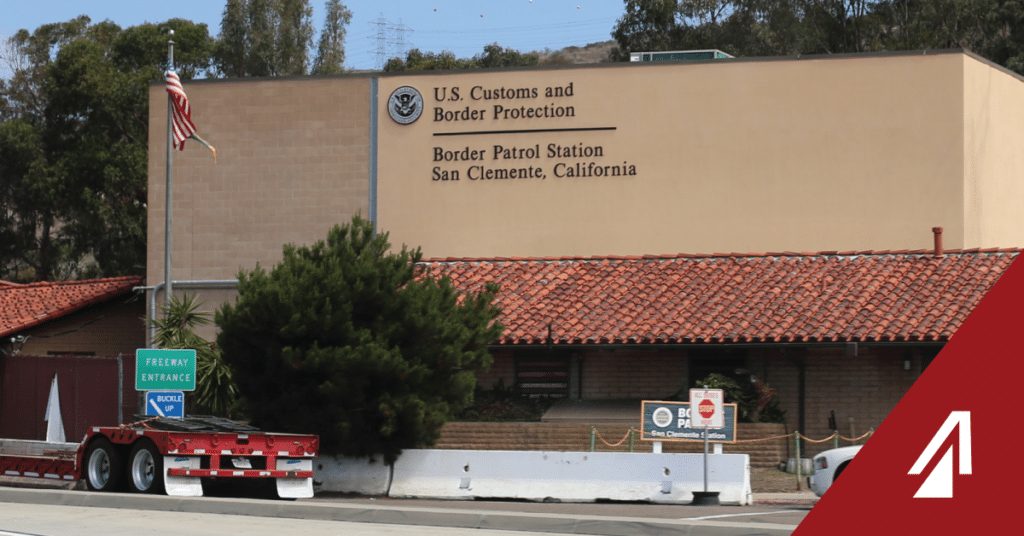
{"points": [[844, 332], [91, 317], [85, 332]]}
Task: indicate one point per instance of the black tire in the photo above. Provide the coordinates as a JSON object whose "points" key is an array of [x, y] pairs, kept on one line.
{"points": [[104, 467], [145, 468]]}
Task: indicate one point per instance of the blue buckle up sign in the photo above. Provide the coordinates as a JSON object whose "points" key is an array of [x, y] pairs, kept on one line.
{"points": [[165, 404]]}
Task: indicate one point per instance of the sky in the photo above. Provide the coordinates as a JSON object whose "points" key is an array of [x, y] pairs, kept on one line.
{"points": [[460, 26]]}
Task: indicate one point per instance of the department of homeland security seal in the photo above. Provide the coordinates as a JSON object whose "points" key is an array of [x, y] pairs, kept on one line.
{"points": [[662, 417], [405, 105]]}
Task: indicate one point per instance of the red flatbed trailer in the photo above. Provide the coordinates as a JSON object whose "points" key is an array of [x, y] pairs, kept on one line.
{"points": [[159, 455]]}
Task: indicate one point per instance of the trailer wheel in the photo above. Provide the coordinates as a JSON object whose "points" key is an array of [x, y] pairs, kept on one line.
{"points": [[145, 468], [104, 469]]}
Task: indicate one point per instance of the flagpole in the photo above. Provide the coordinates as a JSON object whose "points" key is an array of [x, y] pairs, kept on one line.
{"points": [[167, 192]]}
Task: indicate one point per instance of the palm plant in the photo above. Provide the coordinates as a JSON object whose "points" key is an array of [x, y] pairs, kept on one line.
{"points": [[215, 392]]}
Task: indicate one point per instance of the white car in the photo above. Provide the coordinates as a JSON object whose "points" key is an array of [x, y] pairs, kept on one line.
{"points": [[828, 466]]}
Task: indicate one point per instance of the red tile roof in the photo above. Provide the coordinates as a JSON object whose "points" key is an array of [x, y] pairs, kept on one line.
{"points": [[24, 306], [738, 298]]}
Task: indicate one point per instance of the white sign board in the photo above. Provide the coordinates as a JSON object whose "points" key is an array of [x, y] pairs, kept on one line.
{"points": [[706, 408]]}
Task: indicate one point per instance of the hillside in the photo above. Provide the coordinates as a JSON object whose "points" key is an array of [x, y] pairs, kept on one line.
{"points": [[592, 53]]}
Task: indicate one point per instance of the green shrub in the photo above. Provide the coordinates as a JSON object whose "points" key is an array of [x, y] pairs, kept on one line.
{"points": [[755, 401]]}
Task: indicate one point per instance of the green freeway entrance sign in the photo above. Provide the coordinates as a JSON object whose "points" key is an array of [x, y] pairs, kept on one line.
{"points": [[165, 370]]}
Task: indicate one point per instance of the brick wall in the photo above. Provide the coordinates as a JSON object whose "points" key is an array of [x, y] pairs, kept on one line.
{"points": [[502, 369], [865, 387], [576, 438], [641, 374], [104, 329], [293, 161]]}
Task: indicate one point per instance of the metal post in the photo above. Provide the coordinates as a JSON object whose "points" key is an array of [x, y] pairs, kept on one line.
{"points": [[593, 438], [799, 461], [120, 390], [167, 193], [705, 458]]}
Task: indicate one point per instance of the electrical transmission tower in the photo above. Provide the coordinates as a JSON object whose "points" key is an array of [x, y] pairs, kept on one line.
{"points": [[390, 40]]}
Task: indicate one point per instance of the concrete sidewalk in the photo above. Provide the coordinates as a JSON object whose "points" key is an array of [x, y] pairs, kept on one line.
{"points": [[796, 497], [594, 519]]}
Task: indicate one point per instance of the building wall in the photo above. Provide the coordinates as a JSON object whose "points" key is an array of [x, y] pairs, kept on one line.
{"points": [[292, 161], [861, 389], [864, 388], [502, 369], [856, 153], [103, 330], [993, 114], [853, 153], [632, 373]]}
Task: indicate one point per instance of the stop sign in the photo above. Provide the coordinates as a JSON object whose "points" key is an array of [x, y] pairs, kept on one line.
{"points": [[708, 405], [706, 408]]}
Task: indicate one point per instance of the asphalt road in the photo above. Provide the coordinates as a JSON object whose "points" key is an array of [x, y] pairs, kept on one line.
{"points": [[58, 512]]}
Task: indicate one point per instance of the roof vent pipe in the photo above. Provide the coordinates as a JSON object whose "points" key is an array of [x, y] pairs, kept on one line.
{"points": [[937, 231]]}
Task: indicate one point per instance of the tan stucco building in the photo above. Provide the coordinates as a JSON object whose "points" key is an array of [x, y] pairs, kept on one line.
{"points": [[791, 154], [822, 153]]}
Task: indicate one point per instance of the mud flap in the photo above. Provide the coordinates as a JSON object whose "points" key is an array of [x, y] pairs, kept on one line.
{"points": [[182, 486], [294, 488]]}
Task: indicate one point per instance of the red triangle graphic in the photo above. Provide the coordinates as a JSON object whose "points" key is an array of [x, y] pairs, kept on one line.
{"points": [[981, 371]]}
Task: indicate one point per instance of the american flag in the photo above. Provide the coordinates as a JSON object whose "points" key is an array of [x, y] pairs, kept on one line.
{"points": [[181, 125]]}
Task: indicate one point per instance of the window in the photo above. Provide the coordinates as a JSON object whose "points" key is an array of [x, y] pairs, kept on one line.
{"points": [[542, 374], [729, 363]]}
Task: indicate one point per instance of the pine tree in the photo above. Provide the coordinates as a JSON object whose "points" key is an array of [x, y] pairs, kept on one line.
{"points": [[231, 49], [330, 56], [357, 344], [294, 37], [260, 38]]}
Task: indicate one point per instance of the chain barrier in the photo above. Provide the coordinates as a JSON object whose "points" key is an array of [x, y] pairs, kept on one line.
{"points": [[773, 438], [763, 439], [866, 434], [621, 441], [595, 434], [809, 440]]}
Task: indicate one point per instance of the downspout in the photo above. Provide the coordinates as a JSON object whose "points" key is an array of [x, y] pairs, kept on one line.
{"points": [[801, 391], [372, 201], [801, 381]]}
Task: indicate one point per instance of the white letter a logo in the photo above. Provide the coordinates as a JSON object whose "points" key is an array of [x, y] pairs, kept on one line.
{"points": [[939, 483]]}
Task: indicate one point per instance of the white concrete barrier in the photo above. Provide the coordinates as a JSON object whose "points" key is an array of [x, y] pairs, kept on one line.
{"points": [[569, 476], [351, 475]]}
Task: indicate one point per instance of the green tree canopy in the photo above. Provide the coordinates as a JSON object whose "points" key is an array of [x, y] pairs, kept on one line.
{"points": [[359, 345], [73, 145], [330, 55], [275, 38], [991, 28], [755, 400], [494, 55]]}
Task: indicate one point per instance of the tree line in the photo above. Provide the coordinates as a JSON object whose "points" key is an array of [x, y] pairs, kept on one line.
{"points": [[74, 111], [993, 29], [74, 117]]}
